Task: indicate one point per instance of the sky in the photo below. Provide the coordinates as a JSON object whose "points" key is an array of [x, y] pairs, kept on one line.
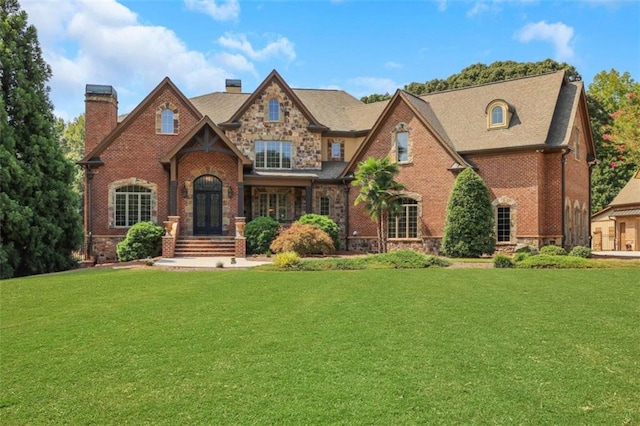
{"points": [[360, 46]]}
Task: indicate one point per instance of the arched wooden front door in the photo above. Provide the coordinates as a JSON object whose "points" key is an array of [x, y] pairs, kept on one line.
{"points": [[207, 205]]}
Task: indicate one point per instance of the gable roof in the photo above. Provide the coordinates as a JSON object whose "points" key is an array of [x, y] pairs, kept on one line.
{"points": [[422, 110], [205, 122], [131, 117], [630, 193]]}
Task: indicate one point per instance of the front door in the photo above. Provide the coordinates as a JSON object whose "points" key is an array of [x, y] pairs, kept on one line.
{"points": [[207, 206]]}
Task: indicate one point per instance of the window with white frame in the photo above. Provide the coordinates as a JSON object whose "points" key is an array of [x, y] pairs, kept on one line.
{"points": [[503, 224], [274, 205], [336, 150], [402, 146], [274, 110], [405, 223], [132, 205], [324, 206], [167, 121], [273, 154], [497, 115]]}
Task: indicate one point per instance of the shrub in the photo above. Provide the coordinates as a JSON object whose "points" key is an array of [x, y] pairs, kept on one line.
{"points": [[408, 259], [324, 223], [144, 239], [519, 257], [502, 261], [527, 250], [286, 260], [304, 240], [469, 222], [580, 251], [260, 233], [553, 251], [547, 261]]}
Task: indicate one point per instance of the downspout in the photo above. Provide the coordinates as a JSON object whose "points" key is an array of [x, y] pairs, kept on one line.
{"points": [[346, 214], [89, 207], [563, 161]]}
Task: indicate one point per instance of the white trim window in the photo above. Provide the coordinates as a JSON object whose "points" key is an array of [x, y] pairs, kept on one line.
{"points": [[402, 141], [166, 121], [133, 205], [273, 155], [274, 205], [274, 110], [497, 116], [405, 223]]}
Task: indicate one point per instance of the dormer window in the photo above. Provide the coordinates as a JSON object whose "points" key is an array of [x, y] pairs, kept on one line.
{"points": [[274, 110], [498, 114]]}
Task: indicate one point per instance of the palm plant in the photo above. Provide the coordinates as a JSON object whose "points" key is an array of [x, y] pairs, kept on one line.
{"points": [[379, 192]]}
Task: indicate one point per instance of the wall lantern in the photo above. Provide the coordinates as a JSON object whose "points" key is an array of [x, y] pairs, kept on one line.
{"points": [[185, 191], [230, 191]]}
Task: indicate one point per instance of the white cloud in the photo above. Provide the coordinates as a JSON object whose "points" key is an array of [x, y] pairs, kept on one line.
{"points": [[558, 34], [280, 47], [364, 86], [392, 65], [226, 11], [442, 5], [478, 8]]}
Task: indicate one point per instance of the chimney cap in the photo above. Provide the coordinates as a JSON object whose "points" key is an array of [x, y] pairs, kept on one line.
{"points": [[100, 89], [233, 82]]}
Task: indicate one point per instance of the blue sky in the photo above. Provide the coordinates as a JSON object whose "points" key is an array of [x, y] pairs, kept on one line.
{"points": [[360, 46]]}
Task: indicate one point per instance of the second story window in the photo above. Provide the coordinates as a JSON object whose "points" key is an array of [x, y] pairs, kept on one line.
{"points": [[274, 110], [273, 155], [336, 150], [402, 143], [497, 116], [167, 121]]}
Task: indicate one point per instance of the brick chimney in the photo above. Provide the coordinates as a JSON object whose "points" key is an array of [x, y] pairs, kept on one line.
{"points": [[101, 114], [233, 86]]}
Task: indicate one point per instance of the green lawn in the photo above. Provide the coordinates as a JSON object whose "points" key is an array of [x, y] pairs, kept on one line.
{"points": [[434, 346]]}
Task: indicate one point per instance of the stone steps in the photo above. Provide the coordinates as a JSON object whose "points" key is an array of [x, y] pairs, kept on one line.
{"points": [[205, 246]]}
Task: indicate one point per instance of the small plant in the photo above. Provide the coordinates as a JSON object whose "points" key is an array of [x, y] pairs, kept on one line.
{"points": [[304, 240], [149, 261], [219, 264], [527, 250], [286, 260], [580, 251], [519, 257], [233, 260], [324, 223], [553, 251], [503, 261], [260, 233], [144, 239], [547, 261]]}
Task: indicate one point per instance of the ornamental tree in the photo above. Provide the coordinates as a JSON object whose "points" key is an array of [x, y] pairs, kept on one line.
{"points": [[469, 226], [39, 219]]}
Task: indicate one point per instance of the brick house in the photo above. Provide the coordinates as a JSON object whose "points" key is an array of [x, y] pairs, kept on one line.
{"points": [[206, 165]]}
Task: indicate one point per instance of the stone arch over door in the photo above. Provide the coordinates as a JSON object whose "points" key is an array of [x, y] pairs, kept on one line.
{"points": [[207, 205]]}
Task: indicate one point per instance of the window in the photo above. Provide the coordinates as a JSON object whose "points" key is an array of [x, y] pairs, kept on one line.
{"points": [[405, 223], [167, 121], [504, 224], [576, 146], [274, 110], [324, 206], [497, 116], [402, 141], [274, 205], [273, 155], [133, 205], [336, 150]]}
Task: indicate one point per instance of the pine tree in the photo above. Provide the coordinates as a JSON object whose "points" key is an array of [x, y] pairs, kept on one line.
{"points": [[39, 221], [469, 222]]}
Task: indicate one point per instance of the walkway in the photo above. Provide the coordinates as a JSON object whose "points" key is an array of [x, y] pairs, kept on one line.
{"points": [[208, 262]]}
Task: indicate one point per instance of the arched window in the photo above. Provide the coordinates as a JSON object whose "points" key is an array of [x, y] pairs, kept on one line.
{"points": [[167, 121], [497, 116], [274, 110], [132, 205], [405, 223]]}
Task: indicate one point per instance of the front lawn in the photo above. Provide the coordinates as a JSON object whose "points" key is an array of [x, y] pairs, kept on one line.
{"points": [[430, 346]]}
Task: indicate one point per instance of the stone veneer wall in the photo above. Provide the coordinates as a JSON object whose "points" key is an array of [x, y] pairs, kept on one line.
{"points": [[104, 248], [335, 193], [292, 126]]}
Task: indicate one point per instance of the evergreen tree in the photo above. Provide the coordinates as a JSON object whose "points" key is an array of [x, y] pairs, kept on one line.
{"points": [[469, 230], [39, 221]]}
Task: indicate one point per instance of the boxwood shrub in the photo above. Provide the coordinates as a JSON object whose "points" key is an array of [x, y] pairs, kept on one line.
{"points": [[548, 261], [144, 239], [260, 233], [503, 261], [580, 251], [553, 251]]}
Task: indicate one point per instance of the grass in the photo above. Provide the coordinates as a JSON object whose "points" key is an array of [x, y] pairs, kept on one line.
{"points": [[430, 346]]}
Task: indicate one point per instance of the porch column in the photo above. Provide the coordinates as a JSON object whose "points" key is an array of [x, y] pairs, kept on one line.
{"points": [[309, 191], [173, 198], [241, 199]]}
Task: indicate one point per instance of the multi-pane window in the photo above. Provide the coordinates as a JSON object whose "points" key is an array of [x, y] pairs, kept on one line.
{"points": [[503, 224], [405, 223], [324, 206], [167, 121], [402, 143], [273, 155], [497, 116], [274, 110], [336, 151], [133, 205], [274, 205]]}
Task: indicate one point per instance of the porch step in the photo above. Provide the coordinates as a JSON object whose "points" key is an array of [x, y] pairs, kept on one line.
{"points": [[205, 246]]}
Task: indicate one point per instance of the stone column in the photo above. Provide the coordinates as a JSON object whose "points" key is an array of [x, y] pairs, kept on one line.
{"points": [[240, 240]]}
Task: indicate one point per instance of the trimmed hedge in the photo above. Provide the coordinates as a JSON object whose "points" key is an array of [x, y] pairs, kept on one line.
{"points": [[553, 251], [144, 239], [549, 261], [503, 261], [324, 223], [260, 233], [580, 251]]}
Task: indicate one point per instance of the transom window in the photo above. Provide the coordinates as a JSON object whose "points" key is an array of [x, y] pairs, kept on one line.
{"points": [[324, 206], [273, 155], [503, 224], [405, 223], [402, 143], [274, 110], [274, 205], [207, 183], [133, 205]]}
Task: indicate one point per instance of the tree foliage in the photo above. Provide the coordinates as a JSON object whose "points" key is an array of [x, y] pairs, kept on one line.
{"points": [[469, 226], [375, 98], [379, 192], [39, 221]]}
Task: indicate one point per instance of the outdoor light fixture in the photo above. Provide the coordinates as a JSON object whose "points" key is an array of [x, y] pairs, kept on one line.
{"points": [[185, 191], [230, 191]]}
